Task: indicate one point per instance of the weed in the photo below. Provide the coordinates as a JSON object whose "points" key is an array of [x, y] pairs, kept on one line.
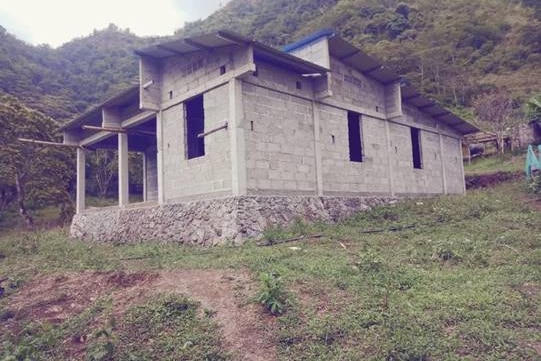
{"points": [[103, 345], [272, 294], [534, 184]]}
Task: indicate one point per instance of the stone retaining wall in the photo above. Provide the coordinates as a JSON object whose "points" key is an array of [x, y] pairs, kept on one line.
{"points": [[212, 222]]}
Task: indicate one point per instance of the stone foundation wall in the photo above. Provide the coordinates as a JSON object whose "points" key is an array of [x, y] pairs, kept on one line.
{"points": [[212, 222]]}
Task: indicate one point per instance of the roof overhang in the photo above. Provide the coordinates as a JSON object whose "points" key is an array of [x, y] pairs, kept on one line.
{"points": [[357, 59], [223, 39], [94, 116]]}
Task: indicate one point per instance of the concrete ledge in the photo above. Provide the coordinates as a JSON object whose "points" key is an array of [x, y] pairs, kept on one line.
{"points": [[212, 222]]}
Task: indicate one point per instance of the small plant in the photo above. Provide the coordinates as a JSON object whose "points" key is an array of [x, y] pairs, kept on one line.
{"points": [[534, 184], [272, 294], [370, 261], [103, 347]]}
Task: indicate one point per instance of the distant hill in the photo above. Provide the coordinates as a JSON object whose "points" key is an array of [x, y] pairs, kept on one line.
{"points": [[452, 50], [66, 81]]}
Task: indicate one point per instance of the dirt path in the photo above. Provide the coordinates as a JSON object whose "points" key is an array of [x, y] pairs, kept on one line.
{"points": [[56, 298]]}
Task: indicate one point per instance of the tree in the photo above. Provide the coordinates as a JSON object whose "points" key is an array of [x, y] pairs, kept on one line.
{"points": [[533, 107], [496, 111], [34, 175], [104, 168]]}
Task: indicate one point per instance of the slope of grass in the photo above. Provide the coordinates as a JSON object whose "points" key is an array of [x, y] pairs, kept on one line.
{"points": [[506, 163], [460, 281]]}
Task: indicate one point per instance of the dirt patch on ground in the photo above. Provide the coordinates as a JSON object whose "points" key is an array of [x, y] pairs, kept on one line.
{"points": [[56, 298], [492, 179]]}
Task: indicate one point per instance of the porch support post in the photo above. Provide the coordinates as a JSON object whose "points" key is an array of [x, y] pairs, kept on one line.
{"points": [[123, 180], [81, 186]]}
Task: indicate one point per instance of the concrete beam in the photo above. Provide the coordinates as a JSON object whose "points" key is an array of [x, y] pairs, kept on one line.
{"points": [[81, 181], [123, 174], [247, 69]]}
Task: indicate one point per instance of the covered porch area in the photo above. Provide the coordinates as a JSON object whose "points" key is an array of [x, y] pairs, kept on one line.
{"points": [[131, 133]]}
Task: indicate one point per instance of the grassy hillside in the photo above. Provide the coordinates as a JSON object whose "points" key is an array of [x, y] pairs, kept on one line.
{"points": [[460, 281]]}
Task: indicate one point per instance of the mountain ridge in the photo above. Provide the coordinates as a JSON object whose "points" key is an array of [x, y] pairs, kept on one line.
{"points": [[452, 51]]}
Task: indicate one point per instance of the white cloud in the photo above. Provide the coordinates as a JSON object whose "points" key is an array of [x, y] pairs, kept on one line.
{"points": [[55, 22]]}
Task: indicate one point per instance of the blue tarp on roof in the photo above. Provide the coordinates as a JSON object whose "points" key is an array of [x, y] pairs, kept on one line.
{"points": [[307, 40]]}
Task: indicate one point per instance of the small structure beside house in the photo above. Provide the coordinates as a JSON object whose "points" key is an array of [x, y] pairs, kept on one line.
{"points": [[238, 136]]}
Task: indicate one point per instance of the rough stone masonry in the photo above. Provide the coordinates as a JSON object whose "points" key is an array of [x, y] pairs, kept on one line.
{"points": [[215, 221]]}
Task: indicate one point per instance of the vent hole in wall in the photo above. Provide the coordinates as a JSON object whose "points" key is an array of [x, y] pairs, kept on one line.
{"points": [[377, 109], [332, 139], [222, 70], [396, 149], [170, 94], [298, 84], [252, 125]]}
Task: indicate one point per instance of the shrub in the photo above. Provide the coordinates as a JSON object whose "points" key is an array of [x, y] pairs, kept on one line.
{"points": [[534, 184]]}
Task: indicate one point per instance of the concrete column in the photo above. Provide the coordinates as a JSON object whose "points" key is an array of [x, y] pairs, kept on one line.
{"points": [[317, 149], [389, 158], [123, 177], [236, 138], [81, 181], [145, 174], [159, 157], [442, 161], [462, 167]]}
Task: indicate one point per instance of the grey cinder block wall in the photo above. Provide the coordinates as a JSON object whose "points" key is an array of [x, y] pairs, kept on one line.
{"points": [[285, 153]]}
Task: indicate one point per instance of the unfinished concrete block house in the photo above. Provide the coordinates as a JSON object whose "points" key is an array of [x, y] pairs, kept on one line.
{"points": [[238, 136]]}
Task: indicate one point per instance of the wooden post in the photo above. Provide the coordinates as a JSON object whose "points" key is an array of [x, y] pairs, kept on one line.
{"points": [[81, 177], [123, 180]]}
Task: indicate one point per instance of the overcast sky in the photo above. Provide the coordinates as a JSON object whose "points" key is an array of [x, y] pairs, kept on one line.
{"points": [[55, 22]]}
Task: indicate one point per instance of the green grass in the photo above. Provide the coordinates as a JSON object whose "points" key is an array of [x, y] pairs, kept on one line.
{"points": [[498, 163], [457, 285], [165, 328]]}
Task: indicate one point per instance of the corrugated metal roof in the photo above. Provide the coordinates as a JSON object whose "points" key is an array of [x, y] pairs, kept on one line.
{"points": [[369, 66], [92, 116], [222, 39]]}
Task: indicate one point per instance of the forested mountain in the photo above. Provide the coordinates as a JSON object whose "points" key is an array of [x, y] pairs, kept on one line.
{"points": [[453, 50], [65, 81]]}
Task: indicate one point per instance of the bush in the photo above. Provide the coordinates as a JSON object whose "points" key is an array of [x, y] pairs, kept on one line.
{"points": [[534, 184]]}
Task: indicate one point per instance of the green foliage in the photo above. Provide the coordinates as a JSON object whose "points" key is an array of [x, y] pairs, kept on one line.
{"points": [[534, 184], [168, 328], [533, 107], [272, 294], [103, 346], [462, 284], [34, 175]]}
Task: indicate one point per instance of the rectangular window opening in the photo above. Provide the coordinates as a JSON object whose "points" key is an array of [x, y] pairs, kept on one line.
{"points": [[355, 137], [195, 124], [416, 148]]}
